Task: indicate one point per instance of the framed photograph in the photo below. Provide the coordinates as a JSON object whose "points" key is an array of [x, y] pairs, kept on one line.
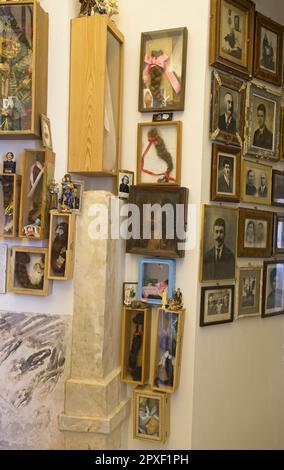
{"points": [[151, 415], [227, 109], [163, 70], [217, 305], [255, 233], [278, 234], [273, 289], [256, 183], [130, 293], [125, 181], [219, 243], [78, 196], [225, 173], [156, 280], [27, 271], [282, 135], [278, 188], [159, 225], [249, 292], [46, 132], [159, 153], [3, 267], [263, 123], [231, 35], [268, 56]]}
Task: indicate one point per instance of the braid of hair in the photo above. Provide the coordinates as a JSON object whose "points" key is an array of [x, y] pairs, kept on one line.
{"points": [[161, 148], [156, 74]]}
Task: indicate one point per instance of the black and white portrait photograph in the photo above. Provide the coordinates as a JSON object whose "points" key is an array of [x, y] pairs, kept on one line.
{"points": [[225, 173], [278, 188], [256, 183], [226, 176], [273, 289], [268, 50], [255, 233], [219, 243], [279, 234], [125, 181], [263, 123], [249, 294], [255, 237], [228, 110], [217, 305], [233, 32]]}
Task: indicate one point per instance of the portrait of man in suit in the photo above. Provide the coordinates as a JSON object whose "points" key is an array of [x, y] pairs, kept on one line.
{"points": [[225, 178], [227, 120], [263, 137], [275, 299], [262, 189], [250, 186]]}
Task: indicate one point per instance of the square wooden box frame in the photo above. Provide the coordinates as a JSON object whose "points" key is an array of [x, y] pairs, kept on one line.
{"points": [[16, 202], [56, 218]]}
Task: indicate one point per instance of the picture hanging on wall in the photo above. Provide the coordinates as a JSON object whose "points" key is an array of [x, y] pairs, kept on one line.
{"points": [[163, 70], [249, 291], [256, 183], [225, 173], [125, 181], [278, 234], [217, 305], [156, 280], [255, 233], [273, 289], [278, 188]]}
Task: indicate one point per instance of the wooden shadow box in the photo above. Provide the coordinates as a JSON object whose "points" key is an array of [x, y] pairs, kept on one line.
{"points": [[61, 246], [135, 345], [10, 186], [165, 370]]}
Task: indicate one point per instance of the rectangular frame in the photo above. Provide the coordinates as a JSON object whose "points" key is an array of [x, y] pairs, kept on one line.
{"points": [[278, 294], [64, 247], [277, 251], [14, 217], [127, 299], [167, 285], [264, 200], [275, 201], [249, 311], [258, 252], [123, 189], [218, 316], [3, 267], [217, 179]]}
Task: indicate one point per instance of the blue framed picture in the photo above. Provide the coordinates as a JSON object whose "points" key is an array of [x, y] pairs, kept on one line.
{"points": [[156, 277]]}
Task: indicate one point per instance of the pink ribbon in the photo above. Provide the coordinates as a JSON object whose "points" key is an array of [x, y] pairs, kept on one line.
{"points": [[161, 61]]}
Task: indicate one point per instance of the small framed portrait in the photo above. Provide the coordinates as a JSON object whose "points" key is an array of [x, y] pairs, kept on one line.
{"points": [[263, 123], [130, 293], [217, 305], [255, 233], [27, 273], [125, 181], [273, 289], [151, 415], [225, 173], [46, 132], [156, 280], [231, 35], [78, 196], [228, 108], [268, 57], [163, 70], [159, 153], [278, 188], [278, 234], [219, 243], [256, 183], [249, 291]]}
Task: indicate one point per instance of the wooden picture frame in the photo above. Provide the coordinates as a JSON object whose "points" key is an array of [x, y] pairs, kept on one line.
{"points": [[156, 280], [10, 188], [273, 288], [262, 133], [165, 370], [61, 254], [129, 293], [268, 56], [249, 292], [163, 70], [159, 153], [135, 351], [278, 244], [217, 305], [125, 181], [256, 183], [46, 132], [227, 109], [225, 173], [25, 278], [255, 233], [231, 35], [277, 188], [281, 144], [151, 415], [3, 267]]}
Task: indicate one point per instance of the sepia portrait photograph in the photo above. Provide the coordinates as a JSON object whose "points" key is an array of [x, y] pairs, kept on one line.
{"points": [[278, 188], [256, 183], [273, 288], [278, 234], [225, 173], [217, 305], [219, 238], [255, 233], [249, 292], [125, 181]]}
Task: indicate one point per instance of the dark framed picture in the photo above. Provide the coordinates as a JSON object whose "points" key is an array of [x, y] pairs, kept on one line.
{"points": [[227, 108], [125, 181], [256, 183], [159, 153], [163, 70], [130, 293], [278, 234], [273, 289], [219, 243], [255, 233], [156, 280], [282, 134], [263, 123], [159, 225], [225, 173], [231, 35], [46, 132], [78, 196], [217, 305], [268, 56], [278, 188], [249, 292]]}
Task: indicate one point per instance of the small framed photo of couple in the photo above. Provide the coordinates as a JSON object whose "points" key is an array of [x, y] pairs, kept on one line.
{"points": [[217, 305], [227, 109], [231, 35], [125, 181], [225, 173], [255, 233], [256, 183], [268, 57], [273, 289], [163, 70], [249, 292]]}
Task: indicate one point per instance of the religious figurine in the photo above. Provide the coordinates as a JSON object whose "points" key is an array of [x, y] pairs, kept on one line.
{"points": [[103, 7], [9, 164], [176, 302], [53, 190], [67, 195], [137, 340]]}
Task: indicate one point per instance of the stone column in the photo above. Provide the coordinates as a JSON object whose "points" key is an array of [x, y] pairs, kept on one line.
{"points": [[96, 407]]}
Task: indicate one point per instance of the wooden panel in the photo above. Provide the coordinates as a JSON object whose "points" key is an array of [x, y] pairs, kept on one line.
{"points": [[55, 219], [16, 202]]}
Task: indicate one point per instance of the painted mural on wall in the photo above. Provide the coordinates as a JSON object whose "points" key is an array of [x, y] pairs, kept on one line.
{"points": [[34, 362]]}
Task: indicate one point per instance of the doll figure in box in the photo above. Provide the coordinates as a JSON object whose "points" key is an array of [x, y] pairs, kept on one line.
{"points": [[6, 182], [137, 340], [167, 351], [67, 194], [9, 164]]}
